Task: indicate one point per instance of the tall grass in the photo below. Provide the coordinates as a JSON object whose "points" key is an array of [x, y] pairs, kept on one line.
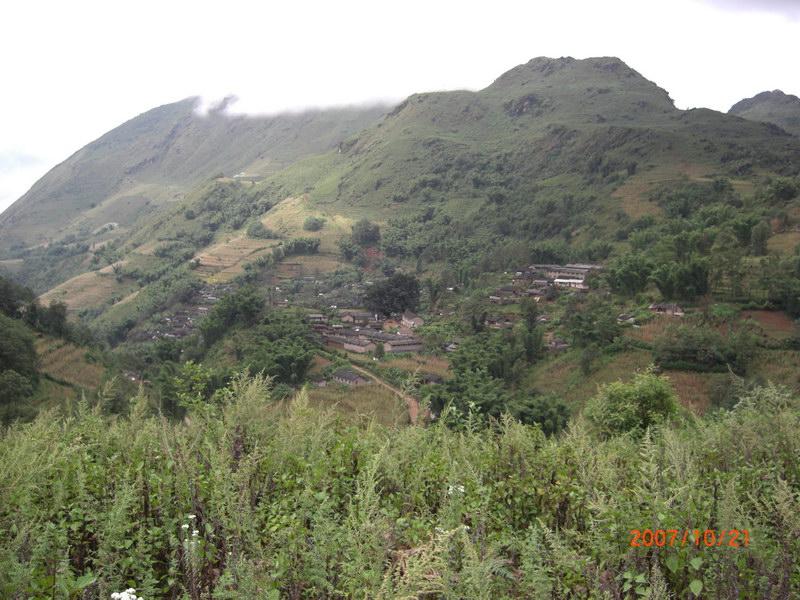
{"points": [[250, 499]]}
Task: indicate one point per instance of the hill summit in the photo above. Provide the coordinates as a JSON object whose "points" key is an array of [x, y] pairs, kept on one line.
{"points": [[774, 107]]}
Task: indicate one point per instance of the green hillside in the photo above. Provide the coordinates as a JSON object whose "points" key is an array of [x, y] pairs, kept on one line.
{"points": [[537, 340], [156, 157], [773, 107]]}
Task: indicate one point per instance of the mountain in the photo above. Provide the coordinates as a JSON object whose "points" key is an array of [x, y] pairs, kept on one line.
{"points": [[155, 157], [774, 107], [559, 151]]}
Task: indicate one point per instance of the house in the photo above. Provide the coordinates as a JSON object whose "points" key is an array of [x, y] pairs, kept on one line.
{"points": [[403, 344], [574, 284], [667, 308], [569, 271], [347, 377], [316, 318], [499, 321], [411, 320], [626, 318], [501, 300], [557, 345], [350, 343], [247, 177], [451, 347], [357, 318]]}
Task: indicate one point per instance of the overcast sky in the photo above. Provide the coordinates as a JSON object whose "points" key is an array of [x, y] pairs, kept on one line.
{"points": [[72, 70]]}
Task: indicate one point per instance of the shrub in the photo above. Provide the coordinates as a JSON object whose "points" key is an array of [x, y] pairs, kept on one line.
{"points": [[365, 232], [631, 407], [258, 231], [699, 348], [313, 223]]}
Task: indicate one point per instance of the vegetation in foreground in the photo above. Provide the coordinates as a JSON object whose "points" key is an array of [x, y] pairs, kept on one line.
{"points": [[249, 498]]}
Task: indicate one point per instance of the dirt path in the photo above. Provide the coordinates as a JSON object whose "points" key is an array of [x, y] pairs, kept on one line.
{"points": [[411, 402]]}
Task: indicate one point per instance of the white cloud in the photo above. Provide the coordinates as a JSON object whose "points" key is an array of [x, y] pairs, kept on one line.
{"points": [[79, 68]]}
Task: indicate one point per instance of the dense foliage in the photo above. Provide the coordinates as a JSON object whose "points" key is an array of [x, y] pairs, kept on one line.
{"points": [[395, 294], [248, 500]]}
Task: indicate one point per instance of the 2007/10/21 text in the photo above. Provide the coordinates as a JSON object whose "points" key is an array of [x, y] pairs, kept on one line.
{"points": [[733, 538]]}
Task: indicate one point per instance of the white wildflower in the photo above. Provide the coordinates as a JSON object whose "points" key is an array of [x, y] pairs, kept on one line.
{"points": [[192, 517], [455, 488], [129, 594], [195, 533], [185, 526]]}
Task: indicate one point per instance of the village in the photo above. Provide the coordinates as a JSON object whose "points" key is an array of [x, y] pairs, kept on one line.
{"points": [[363, 332], [542, 281]]}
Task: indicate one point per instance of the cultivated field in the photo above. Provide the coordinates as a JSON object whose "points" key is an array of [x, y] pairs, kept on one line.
{"points": [[89, 290], [68, 363], [225, 260]]}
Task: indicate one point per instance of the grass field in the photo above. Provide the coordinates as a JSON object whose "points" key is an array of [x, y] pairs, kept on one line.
{"points": [[420, 362], [652, 329], [784, 243], [634, 193], [562, 375], [779, 366], [362, 402]]}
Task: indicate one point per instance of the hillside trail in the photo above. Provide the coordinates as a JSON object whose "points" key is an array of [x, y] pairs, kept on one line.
{"points": [[411, 402]]}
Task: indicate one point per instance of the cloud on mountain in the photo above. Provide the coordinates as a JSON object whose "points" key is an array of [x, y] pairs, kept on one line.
{"points": [[786, 8]]}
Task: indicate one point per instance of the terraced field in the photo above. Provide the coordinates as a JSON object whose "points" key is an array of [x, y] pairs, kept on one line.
{"points": [[90, 290], [288, 216], [67, 363], [225, 260]]}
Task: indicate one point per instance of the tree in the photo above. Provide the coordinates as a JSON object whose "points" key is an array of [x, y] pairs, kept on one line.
{"points": [[53, 319], [348, 248], [759, 235], [631, 407], [682, 281], [239, 308], [365, 232], [591, 323], [396, 294], [629, 274], [547, 411], [14, 387], [17, 351], [287, 360], [13, 296], [530, 312]]}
